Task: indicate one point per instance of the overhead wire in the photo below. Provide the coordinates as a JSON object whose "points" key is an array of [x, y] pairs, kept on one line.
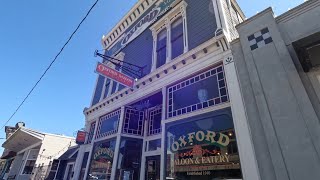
{"points": [[51, 63]]}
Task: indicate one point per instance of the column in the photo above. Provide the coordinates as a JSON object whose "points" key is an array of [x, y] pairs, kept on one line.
{"points": [[163, 135], [248, 160], [116, 152]]}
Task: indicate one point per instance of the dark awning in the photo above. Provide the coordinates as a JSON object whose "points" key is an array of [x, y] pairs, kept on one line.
{"points": [[8, 154]]}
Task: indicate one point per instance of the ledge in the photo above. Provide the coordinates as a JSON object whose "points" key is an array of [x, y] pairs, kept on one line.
{"points": [[302, 8]]}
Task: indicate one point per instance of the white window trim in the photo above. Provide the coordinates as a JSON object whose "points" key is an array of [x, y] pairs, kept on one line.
{"points": [[166, 22], [67, 170], [27, 159]]}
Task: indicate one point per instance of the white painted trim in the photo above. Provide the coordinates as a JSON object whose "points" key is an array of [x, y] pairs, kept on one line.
{"points": [[216, 14], [163, 135], [30, 147], [55, 176], [103, 89], [68, 170], [90, 147], [143, 159], [198, 112], [223, 17], [169, 45], [247, 155], [117, 146], [24, 163], [94, 90]]}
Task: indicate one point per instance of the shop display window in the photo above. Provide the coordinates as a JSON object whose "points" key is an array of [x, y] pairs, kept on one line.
{"points": [[129, 159], [203, 148], [203, 90], [102, 160], [108, 124]]}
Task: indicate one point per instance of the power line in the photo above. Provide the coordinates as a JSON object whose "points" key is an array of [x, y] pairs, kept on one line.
{"points": [[54, 59]]}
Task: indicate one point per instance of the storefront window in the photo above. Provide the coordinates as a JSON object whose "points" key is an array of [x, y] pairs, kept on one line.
{"points": [[203, 90], [155, 121], [133, 122], [108, 124], [129, 159], [101, 160], [203, 148]]}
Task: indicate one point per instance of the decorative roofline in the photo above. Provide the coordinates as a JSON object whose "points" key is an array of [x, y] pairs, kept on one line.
{"points": [[135, 13], [300, 9]]}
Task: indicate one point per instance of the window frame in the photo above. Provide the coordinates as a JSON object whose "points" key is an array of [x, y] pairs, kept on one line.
{"points": [[179, 11]]}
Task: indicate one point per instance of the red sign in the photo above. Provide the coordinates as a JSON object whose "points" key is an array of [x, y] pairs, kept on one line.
{"points": [[81, 137], [114, 75]]}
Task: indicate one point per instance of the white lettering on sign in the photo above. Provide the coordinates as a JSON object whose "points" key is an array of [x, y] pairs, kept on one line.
{"points": [[200, 136]]}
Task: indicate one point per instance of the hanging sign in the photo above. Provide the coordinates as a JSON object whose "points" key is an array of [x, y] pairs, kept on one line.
{"points": [[115, 75], [140, 26], [81, 137]]}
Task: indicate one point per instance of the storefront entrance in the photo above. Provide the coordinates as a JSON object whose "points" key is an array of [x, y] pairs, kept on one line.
{"points": [[153, 168]]}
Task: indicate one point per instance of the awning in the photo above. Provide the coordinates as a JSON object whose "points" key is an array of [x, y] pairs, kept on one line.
{"points": [[68, 155], [22, 139], [8, 154]]}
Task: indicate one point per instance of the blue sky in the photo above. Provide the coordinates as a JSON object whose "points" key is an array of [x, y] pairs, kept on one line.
{"points": [[32, 32]]}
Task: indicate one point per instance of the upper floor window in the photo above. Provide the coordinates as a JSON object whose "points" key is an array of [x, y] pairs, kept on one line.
{"points": [[177, 38], [170, 36], [161, 48]]}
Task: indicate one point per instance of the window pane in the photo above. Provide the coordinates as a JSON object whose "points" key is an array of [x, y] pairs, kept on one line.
{"points": [[177, 47], [203, 90], [28, 167], [154, 145], [109, 124], [162, 48], [177, 38]]}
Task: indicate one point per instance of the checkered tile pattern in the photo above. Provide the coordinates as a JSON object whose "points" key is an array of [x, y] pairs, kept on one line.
{"points": [[260, 39]]}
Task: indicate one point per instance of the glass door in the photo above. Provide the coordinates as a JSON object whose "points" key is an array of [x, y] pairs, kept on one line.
{"points": [[153, 168]]}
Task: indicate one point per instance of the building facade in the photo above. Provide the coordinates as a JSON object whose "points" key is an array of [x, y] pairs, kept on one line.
{"points": [[177, 121], [30, 153], [211, 100], [277, 60]]}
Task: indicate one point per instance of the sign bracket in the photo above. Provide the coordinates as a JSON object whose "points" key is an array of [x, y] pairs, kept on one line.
{"points": [[126, 67]]}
